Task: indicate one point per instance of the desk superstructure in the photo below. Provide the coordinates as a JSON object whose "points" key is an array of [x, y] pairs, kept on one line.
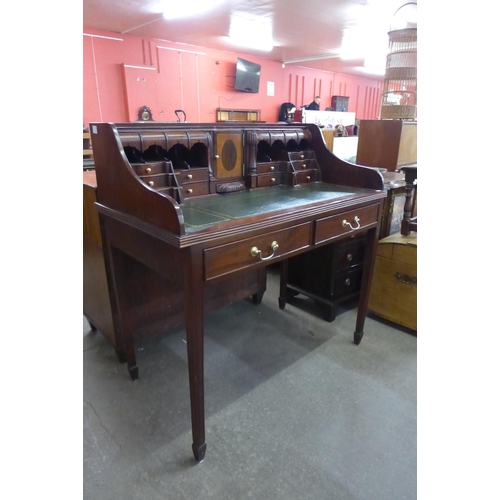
{"points": [[191, 215]]}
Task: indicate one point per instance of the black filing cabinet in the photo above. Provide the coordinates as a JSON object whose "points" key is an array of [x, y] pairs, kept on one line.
{"points": [[329, 274]]}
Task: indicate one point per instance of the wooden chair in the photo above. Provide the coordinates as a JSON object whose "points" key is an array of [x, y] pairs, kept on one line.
{"points": [[409, 223]]}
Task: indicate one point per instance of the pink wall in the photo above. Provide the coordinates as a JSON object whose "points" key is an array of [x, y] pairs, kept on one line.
{"points": [[121, 73]]}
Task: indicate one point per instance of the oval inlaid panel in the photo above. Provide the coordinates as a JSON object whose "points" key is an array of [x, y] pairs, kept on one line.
{"points": [[228, 155]]}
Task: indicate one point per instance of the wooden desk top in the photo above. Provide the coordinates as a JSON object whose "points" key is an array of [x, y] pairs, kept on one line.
{"points": [[200, 213]]}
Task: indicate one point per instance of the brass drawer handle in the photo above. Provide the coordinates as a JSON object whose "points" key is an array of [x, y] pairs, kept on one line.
{"points": [[308, 177], [254, 251], [190, 191], [349, 257], [304, 165], [148, 170], [301, 157], [151, 183], [189, 176], [273, 179], [356, 220], [217, 156], [271, 169], [347, 282]]}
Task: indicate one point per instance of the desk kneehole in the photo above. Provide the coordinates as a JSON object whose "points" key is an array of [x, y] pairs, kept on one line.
{"points": [[348, 222], [225, 259]]}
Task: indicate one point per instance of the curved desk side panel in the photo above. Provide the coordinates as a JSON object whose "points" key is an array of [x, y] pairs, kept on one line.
{"points": [[337, 171], [119, 188]]}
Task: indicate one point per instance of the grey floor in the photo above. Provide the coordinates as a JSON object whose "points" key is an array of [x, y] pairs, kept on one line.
{"points": [[294, 410]]}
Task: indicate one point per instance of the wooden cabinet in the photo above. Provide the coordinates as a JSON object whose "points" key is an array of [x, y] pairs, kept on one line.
{"points": [[330, 274], [340, 103], [238, 115], [387, 144]]}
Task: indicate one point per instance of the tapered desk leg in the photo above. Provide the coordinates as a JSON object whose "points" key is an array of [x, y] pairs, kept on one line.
{"points": [[117, 274], [120, 349], [283, 283], [364, 295], [193, 310], [124, 301]]}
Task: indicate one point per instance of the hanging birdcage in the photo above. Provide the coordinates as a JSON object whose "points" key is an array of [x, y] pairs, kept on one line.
{"points": [[399, 94]]}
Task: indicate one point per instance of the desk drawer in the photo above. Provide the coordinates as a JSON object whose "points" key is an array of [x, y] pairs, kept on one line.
{"points": [[332, 227], [351, 252], [348, 282], [160, 167], [192, 175], [225, 259], [269, 180], [306, 176], [272, 166], [158, 180], [195, 189], [306, 164], [301, 155]]}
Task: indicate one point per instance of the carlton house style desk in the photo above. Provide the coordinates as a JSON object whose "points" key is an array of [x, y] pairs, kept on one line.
{"points": [[191, 215]]}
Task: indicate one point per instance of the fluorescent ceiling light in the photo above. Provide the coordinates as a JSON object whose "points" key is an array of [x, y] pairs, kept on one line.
{"points": [[251, 31], [185, 8]]}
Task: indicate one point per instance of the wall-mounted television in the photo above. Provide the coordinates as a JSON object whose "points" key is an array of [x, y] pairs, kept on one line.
{"points": [[247, 76]]}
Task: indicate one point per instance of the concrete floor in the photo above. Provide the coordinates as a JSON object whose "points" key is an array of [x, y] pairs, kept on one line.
{"points": [[294, 410]]}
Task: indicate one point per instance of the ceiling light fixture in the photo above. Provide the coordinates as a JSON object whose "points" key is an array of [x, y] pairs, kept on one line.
{"points": [[185, 8], [251, 31]]}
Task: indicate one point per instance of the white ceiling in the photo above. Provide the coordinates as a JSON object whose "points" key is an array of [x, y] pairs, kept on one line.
{"points": [[299, 28]]}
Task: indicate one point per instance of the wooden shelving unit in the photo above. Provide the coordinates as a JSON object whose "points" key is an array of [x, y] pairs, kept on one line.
{"points": [[88, 154], [87, 146]]}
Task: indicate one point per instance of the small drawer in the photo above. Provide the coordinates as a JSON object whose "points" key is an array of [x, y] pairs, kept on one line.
{"points": [[346, 223], [300, 165], [271, 167], [348, 282], [192, 175], [306, 176], [157, 181], [300, 155], [225, 259], [351, 254], [160, 167], [195, 189], [269, 180]]}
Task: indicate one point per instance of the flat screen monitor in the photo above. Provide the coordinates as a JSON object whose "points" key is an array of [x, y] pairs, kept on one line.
{"points": [[247, 76]]}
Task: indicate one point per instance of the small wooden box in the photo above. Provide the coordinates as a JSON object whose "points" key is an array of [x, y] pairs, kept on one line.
{"points": [[393, 294]]}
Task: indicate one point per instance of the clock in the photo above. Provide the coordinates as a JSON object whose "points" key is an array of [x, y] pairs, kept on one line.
{"points": [[145, 114]]}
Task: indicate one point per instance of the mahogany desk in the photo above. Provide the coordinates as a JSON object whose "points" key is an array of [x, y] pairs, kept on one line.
{"points": [[216, 215]]}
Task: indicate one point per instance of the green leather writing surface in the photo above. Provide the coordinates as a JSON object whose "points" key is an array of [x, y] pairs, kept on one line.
{"points": [[200, 213]]}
